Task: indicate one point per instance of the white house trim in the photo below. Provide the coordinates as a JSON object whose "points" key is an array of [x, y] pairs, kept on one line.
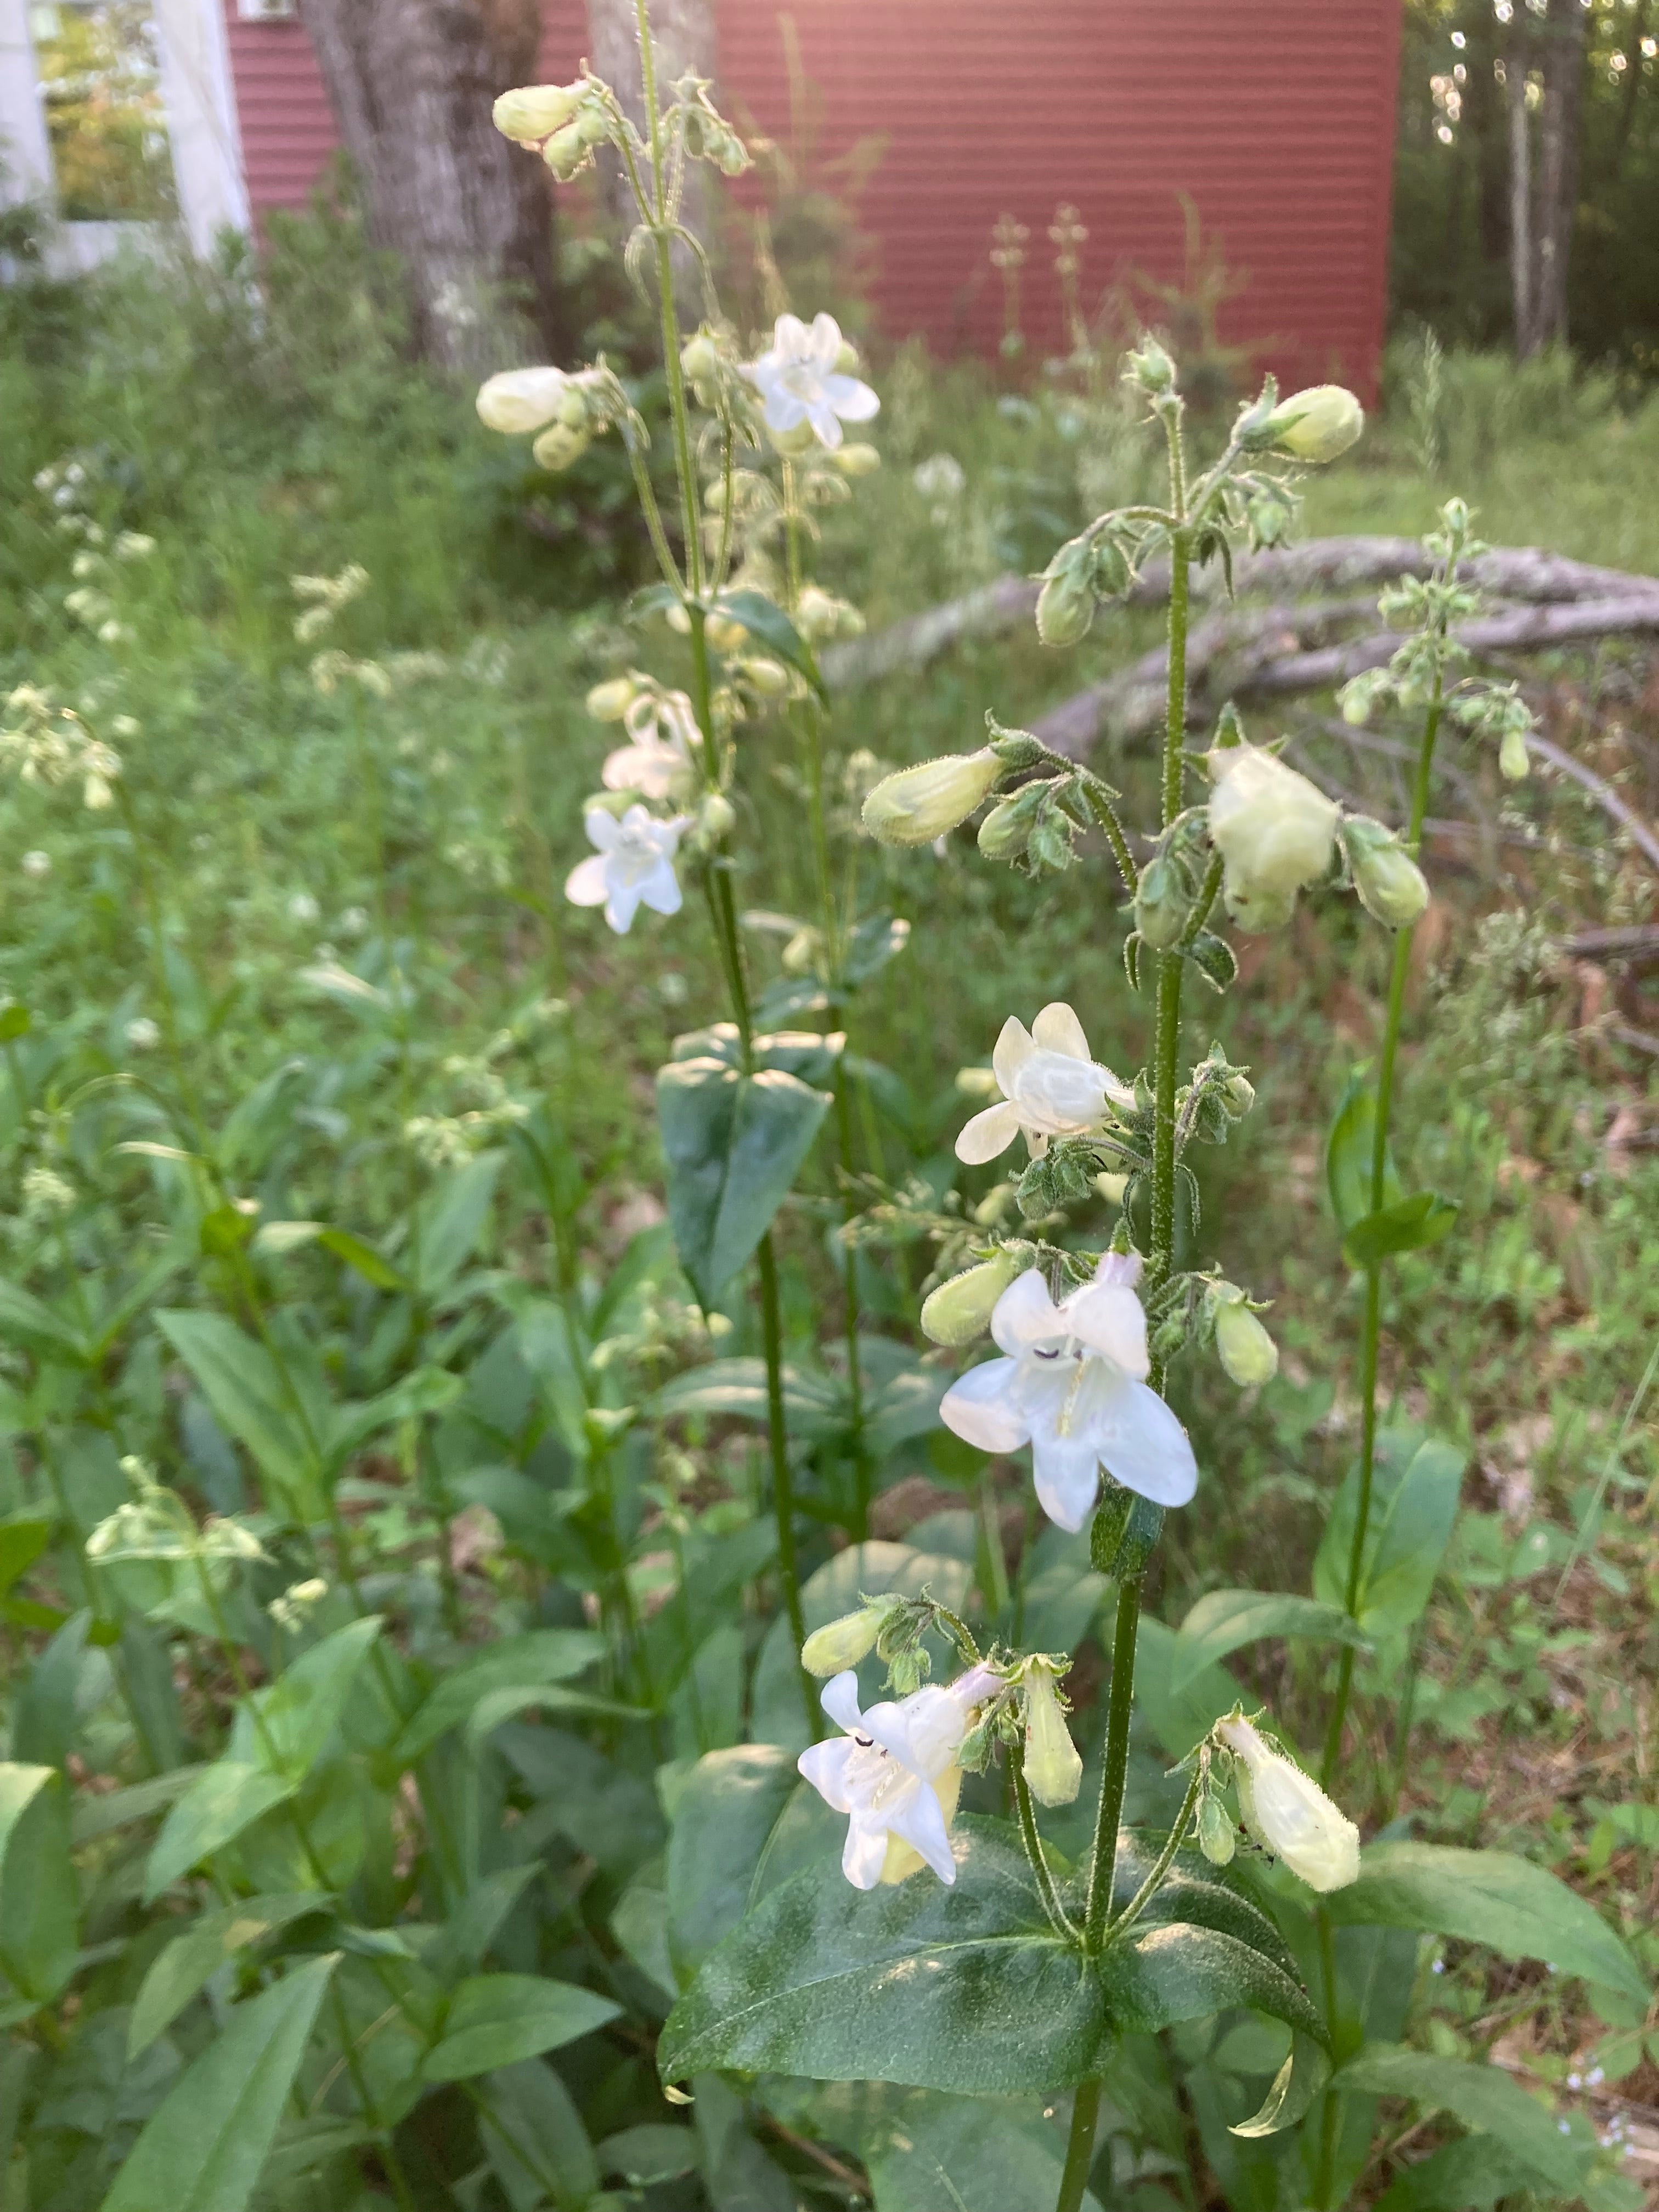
{"points": [[24, 145]]}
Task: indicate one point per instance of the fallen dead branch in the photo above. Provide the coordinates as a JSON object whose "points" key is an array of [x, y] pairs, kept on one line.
{"points": [[1638, 941]]}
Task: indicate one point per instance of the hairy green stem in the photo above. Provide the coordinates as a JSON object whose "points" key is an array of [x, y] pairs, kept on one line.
{"points": [[1079, 2146], [1115, 1769], [1177, 1836]]}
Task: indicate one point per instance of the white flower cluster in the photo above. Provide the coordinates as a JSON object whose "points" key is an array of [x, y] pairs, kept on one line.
{"points": [[44, 743]]}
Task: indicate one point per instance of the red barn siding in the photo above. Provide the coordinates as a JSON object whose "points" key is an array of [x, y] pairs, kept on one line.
{"points": [[1276, 118]]}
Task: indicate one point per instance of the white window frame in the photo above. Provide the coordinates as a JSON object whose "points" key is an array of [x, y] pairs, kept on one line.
{"points": [[199, 95]]}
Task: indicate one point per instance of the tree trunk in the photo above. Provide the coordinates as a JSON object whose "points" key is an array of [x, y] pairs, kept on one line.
{"points": [[471, 215], [1520, 271], [1557, 199], [682, 36]]}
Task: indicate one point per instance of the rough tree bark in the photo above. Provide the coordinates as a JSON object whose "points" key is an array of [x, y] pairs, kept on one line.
{"points": [[682, 33], [470, 215]]}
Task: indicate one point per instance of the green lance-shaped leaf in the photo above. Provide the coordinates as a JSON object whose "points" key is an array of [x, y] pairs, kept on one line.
{"points": [[1515, 1908], [241, 1380], [542, 1657], [1484, 2098], [1296, 2083], [184, 1967], [1225, 1621], [767, 624], [495, 2020], [202, 2148], [39, 1895], [301, 1710], [23, 1537], [734, 1144], [450, 1220], [927, 2153], [966, 1987], [1410, 1225], [726, 1826], [1414, 1491], [1348, 1156], [230, 1796]]}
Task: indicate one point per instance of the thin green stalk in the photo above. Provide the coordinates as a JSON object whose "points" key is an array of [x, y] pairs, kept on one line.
{"points": [[1330, 2116], [1148, 1889], [1079, 2146], [1033, 1842], [1115, 1769], [1371, 1324]]}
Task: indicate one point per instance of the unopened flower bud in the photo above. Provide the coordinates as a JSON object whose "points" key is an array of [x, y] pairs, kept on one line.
{"points": [[1288, 1813], [959, 1310], [1512, 759], [920, 804], [1162, 904], [841, 1643], [522, 399], [792, 444], [1054, 1768], [700, 359], [1150, 367], [565, 152], [1390, 884], [724, 633], [859, 460], [819, 615], [1244, 1348], [535, 111], [1064, 608], [1215, 1831], [1273, 829], [1318, 424], [846, 359], [715, 817], [1004, 832], [609, 703], [558, 445], [769, 677]]}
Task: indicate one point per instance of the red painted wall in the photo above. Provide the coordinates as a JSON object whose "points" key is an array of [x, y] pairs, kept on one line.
{"points": [[1276, 117]]}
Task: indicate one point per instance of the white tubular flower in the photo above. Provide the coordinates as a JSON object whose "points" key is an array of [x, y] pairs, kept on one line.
{"points": [[1287, 1812], [1071, 1386], [522, 399], [1051, 1086], [633, 867], [656, 762], [894, 1774], [798, 382]]}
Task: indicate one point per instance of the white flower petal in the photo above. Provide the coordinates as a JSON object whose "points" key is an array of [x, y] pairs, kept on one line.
{"points": [[1057, 1029], [865, 1853], [1014, 1046], [822, 343], [1111, 1321], [1025, 1315], [604, 831], [790, 339], [978, 1408], [1139, 1439], [1067, 1475], [586, 885], [839, 1699], [622, 906], [826, 424], [1121, 1268], [784, 411], [661, 891], [922, 1732], [989, 1134], [852, 399], [921, 1824], [825, 1765]]}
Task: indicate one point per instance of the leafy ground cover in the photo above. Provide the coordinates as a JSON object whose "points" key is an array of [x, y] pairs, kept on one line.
{"points": [[427, 1292]]}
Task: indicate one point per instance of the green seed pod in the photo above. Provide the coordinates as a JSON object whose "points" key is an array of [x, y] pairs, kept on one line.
{"points": [[1064, 609], [1162, 904], [1004, 832]]}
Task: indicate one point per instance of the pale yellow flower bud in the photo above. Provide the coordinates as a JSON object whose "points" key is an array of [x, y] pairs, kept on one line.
{"points": [[715, 817], [1318, 424], [856, 460], [609, 703], [841, 1643], [1054, 1766], [1287, 1812], [1274, 828], [769, 677], [522, 399], [1390, 884], [700, 359], [535, 111], [959, 1310], [1512, 755], [1244, 1348], [559, 446], [920, 804]]}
